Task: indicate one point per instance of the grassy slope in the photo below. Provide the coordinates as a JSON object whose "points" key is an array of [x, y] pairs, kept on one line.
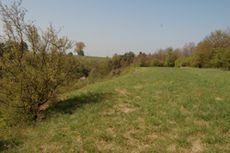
{"points": [[149, 110], [91, 59]]}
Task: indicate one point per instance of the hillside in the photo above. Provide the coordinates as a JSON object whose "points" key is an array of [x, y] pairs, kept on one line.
{"points": [[148, 110]]}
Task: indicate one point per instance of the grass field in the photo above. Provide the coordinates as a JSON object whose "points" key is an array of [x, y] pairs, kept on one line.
{"points": [[152, 110]]}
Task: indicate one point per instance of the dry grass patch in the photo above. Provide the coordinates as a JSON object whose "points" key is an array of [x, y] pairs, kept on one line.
{"points": [[153, 136], [138, 87], [124, 108], [46, 148], [119, 108], [106, 146], [200, 122], [196, 146], [134, 145], [111, 131], [108, 112], [171, 148], [184, 110], [219, 99], [122, 91]]}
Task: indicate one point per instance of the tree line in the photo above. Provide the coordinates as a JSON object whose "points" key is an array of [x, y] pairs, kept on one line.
{"points": [[212, 52]]}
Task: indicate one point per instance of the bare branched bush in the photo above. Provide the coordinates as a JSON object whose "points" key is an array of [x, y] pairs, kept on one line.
{"points": [[33, 66]]}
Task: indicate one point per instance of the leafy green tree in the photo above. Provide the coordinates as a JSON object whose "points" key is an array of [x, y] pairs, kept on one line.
{"points": [[222, 58], [170, 58], [206, 52], [202, 54]]}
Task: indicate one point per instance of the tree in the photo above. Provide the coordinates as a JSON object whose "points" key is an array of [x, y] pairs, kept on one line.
{"points": [[222, 58], [207, 53], [127, 59], [218, 39], [115, 62], [188, 49], [79, 46], [30, 81], [202, 54], [170, 58]]}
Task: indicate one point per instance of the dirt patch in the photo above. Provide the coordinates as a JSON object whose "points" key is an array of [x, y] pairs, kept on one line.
{"points": [[111, 131], [196, 146], [124, 108], [122, 91], [153, 136], [171, 148], [200, 122], [106, 146], [108, 112]]}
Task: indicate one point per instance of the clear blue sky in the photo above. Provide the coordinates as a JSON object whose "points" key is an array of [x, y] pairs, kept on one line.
{"points": [[116, 26]]}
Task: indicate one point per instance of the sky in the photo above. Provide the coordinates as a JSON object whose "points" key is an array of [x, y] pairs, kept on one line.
{"points": [[117, 26]]}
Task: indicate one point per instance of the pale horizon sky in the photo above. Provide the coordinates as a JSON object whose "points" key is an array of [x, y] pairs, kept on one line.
{"points": [[118, 26]]}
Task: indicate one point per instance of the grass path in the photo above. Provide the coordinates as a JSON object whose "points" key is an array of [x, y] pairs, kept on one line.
{"points": [[149, 110]]}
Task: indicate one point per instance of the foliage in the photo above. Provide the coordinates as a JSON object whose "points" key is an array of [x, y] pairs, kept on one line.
{"points": [[120, 61], [221, 58], [30, 81], [183, 61], [141, 60], [100, 70], [213, 51], [170, 58], [207, 51]]}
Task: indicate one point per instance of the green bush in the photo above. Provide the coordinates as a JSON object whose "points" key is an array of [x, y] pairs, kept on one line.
{"points": [[120, 61], [222, 58], [183, 62]]}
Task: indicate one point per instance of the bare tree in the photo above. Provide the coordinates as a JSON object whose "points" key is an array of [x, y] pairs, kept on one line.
{"points": [[79, 46], [30, 81], [188, 49]]}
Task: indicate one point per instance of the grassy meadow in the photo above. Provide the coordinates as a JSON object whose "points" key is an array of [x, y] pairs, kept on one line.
{"points": [[150, 110]]}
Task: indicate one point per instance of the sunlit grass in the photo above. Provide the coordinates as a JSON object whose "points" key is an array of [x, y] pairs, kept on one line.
{"points": [[148, 110]]}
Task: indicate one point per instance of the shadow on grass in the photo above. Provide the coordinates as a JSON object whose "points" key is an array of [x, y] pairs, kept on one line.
{"points": [[3, 145], [70, 105], [8, 144]]}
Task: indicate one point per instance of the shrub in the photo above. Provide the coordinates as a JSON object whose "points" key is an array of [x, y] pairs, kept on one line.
{"points": [[222, 58], [30, 81], [100, 70], [119, 61]]}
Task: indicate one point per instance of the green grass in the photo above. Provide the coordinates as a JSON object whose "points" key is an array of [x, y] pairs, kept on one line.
{"points": [[90, 60], [152, 110]]}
